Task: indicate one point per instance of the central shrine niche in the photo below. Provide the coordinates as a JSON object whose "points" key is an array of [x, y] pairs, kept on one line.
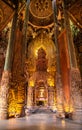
{"points": [[41, 44], [41, 64]]}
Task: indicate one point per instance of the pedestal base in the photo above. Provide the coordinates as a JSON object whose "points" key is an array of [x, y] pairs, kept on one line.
{"points": [[3, 114]]}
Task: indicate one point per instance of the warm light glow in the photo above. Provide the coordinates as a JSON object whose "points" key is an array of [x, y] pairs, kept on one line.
{"points": [[41, 93], [16, 101], [68, 108], [63, 123], [50, 81], [54, 108], [36, 53], [42, 42], [31, 83], [37, 48]]}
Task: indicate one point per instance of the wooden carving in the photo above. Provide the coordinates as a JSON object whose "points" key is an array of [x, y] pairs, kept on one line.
{"points": [[41, 62]]}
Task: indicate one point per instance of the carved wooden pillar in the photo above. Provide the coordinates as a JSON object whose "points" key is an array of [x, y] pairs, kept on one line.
{"points": [[4, 89], [58, 74], [30, 97], [60, 96], [64, 52], [75, 76], [24, 43], [47, 95], [51, 97], [35, 98]]}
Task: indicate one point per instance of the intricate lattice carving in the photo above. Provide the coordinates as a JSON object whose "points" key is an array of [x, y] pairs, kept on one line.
{"points": [[41, 8], [42, 5], [41, 12]]}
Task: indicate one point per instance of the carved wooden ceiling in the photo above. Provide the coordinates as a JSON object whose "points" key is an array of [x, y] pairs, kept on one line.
{"points": [[7, 9], [40, 12], [75, 12], [6, 14]]}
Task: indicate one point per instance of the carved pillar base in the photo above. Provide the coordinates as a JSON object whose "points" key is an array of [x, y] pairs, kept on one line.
{"points": [[4, 95], [30, 97], [51, 97], [76, 94], [3, 109], [60, 110]]}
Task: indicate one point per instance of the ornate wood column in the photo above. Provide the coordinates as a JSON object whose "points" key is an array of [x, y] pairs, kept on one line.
{"points": [[59, 91], [75, 76], [30, 97], [64, 54], [51, 97], [24, 43], [71, 84], [24, 46], [4, 88]]}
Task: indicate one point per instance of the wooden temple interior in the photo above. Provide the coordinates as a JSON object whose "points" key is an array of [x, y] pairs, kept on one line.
{"points": [[41, 56]]}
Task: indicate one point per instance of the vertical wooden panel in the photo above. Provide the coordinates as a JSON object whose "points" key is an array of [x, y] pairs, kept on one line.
{"points": [[65, 64]]}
